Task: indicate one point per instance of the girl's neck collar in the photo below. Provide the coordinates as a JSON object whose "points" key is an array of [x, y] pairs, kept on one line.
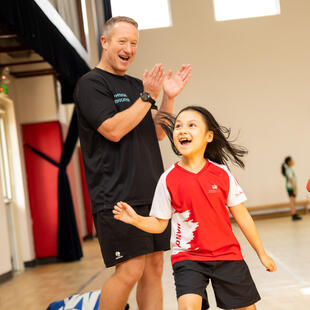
{"points": [[193, 166]]}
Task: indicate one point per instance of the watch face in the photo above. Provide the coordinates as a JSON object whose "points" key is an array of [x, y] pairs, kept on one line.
{"points": [[145, 96]]}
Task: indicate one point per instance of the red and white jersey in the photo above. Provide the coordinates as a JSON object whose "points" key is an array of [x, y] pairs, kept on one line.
{"points": [[197, 205]]}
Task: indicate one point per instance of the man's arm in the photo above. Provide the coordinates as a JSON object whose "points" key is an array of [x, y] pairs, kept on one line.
{"points": [[116, 127], [172, 86]]}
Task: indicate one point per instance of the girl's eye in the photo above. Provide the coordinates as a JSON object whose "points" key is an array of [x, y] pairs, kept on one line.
{"points": [[177, 126], [192, 125]]}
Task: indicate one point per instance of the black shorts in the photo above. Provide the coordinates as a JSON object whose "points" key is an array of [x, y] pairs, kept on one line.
{"points": [[231, 281], [120, 242], [291, 193]]}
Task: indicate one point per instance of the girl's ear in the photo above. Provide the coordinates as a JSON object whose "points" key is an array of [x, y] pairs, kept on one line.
{"points": [[210, 135]]}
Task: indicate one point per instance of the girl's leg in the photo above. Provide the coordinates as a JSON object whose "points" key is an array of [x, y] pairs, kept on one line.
{"points": [[292, 205], [295, 216], [189, 302], [252, 307]]}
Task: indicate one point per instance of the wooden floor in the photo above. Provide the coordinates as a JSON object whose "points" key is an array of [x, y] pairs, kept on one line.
{"points": [[289, 288]]}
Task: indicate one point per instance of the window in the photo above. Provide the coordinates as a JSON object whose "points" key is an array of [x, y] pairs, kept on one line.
{"points": [[147, 13], [72, 13], [235, 9]]}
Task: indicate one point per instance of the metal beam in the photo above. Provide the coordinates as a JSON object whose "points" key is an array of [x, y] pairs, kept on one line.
{"points": [[32, 73], [8, 64]]}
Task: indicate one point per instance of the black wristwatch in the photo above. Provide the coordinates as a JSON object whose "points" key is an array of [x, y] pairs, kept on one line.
{"points": [[147, 98]]}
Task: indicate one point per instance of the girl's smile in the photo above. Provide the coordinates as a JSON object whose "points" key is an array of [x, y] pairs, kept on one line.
{"points": [[190, 134]]}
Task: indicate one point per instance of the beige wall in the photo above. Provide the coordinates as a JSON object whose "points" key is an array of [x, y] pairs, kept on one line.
{"points": [[253, 75], [35, 99]]}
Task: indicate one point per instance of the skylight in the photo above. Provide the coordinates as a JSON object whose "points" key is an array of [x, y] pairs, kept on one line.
{"points": [[148, 13], [236, 9]]}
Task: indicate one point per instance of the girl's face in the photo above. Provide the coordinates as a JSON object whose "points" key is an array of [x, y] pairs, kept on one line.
{"points": [[291, 163], [191, 134]]}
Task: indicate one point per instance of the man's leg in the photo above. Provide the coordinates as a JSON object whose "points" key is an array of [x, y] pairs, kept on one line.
{"points": [[115, 291], [149, 289]]}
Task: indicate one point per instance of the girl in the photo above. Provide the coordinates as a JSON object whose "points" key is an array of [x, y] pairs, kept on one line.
{"points": [[194, 193], [291, 185]]}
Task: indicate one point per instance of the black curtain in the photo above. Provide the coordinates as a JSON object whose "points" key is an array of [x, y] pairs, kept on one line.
{"points": [[68, 247], [107, 9], [35, 29]]}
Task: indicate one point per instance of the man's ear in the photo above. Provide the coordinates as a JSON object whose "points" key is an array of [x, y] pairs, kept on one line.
{"points": [[210, 135], [104, 42]]}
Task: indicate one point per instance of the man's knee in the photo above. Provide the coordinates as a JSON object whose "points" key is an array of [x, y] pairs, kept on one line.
{"points": [[155, 263], [131, 271]]}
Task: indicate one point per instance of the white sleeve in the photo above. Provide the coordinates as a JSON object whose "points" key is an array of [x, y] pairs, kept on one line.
{"points": [[236, 194], [161, 205], [289, 173]]}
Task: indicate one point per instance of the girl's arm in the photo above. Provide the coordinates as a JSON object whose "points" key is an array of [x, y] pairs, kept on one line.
{"points": [[125, 213], [293, 185], [246, 224]]}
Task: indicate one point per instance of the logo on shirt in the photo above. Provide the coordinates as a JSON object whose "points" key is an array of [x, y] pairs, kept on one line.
{"points": [[119, 97], [118, 255], [214, 189]]}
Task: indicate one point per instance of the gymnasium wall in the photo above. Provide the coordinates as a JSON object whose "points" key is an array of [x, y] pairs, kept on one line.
{"points": [[253, 75], [35, 101]]}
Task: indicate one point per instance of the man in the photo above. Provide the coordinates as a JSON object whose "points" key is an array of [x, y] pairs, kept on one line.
{"points": [[119, 141]]}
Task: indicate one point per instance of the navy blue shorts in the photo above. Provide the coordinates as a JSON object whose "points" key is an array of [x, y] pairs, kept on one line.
{"points": [[231, 281]]}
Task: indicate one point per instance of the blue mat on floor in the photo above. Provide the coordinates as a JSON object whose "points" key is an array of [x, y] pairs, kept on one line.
{"points": [[85, 301]]}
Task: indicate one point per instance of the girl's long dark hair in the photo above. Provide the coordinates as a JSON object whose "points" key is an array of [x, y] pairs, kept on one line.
{"points": [[220, 150], [285, 164]]}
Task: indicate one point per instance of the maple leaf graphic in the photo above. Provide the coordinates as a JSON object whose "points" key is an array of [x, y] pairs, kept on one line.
{"points": [[183, 231]]}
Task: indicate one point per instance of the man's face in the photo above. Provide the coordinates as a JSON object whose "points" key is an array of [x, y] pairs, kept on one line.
{"points": [[119, 48]]}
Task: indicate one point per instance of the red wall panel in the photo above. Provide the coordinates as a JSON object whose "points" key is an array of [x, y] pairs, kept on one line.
{"points": [[42, 179]]}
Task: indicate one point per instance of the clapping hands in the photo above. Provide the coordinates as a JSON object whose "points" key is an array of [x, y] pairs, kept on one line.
{"points": [[172, 85]]}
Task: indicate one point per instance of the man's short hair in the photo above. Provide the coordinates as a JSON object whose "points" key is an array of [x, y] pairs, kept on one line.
{"points": [[114, 20]]}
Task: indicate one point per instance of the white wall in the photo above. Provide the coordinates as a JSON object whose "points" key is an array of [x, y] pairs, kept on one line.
{"points": [[5, 257], [253, 75]]}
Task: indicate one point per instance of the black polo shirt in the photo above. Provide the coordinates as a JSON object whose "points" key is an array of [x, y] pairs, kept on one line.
{"points": [[127, 170]]}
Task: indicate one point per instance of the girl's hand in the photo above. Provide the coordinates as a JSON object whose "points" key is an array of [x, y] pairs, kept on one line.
{"points": [[268, 262], [125, 213]]}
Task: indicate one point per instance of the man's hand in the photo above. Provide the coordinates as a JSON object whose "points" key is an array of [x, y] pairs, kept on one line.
{"points": [[152, 81], [174, 85], [125, 213]]}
